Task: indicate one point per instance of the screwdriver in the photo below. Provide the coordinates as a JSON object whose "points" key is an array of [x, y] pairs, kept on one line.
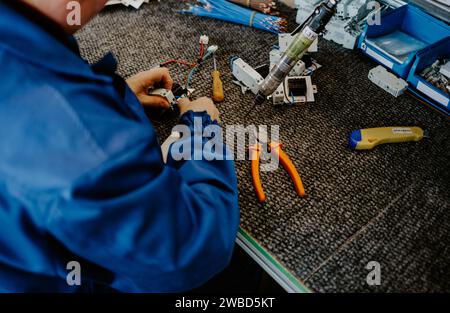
{"points": [[217, 91]]}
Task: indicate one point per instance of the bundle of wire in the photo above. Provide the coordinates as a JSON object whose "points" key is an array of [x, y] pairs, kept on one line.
{"points": [[264, 6], [230, 12]]}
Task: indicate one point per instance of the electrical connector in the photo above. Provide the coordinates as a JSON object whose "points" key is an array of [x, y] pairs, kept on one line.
{"points": [[445, 69], [388, 81], [295, 90], [212, 49], [246, 74], [165, 93], [204, 40]]}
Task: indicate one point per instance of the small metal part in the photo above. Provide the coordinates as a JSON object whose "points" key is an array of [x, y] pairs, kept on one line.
{"points": [[179, 91], [426, 72], [435, 64], [438, 74], [165, 93], [260, 99]]}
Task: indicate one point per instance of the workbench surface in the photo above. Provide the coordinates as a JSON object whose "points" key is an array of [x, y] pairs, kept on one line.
{"points": [[389, 205]]}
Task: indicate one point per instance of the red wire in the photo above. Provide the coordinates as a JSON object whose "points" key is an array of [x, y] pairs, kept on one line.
{"points": [[179, 62], [202, 51], [191, 65]]}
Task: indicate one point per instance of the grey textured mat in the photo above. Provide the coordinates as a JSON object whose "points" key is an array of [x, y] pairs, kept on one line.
{"points": [[389, 205]]}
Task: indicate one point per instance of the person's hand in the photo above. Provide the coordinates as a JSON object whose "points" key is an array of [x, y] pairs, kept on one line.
{"points": [[199, 105], [155, 78]]}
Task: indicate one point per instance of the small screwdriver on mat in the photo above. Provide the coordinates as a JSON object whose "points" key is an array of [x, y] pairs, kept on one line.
{"points": [[369, 138], [217, 88]]}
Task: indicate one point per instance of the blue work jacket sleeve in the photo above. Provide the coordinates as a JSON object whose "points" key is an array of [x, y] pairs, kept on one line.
{"points": [[155, 227]]}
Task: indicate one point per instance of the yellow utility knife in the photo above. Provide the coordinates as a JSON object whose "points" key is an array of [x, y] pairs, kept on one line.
{"points": [[369, 138]]}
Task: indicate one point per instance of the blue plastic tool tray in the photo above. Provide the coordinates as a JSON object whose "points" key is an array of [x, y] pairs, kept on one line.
{"points": [[424, 59], [402, 33]]}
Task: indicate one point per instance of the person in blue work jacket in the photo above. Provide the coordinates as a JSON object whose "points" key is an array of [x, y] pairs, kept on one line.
{"points": [[82, 179]]}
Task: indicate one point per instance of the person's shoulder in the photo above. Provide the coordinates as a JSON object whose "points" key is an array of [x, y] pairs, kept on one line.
{"points": [[77, 104], [59, 128]]}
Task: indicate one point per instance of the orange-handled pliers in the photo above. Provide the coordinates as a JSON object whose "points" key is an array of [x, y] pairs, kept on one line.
{"points": [[274, 147]]}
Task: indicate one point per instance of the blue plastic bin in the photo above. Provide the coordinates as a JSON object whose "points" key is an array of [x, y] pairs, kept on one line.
{"points": [[408, 21], [423, 60]]}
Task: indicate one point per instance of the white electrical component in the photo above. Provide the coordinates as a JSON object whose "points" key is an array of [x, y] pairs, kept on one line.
{"points": [[278, 96], [212, 49], [275, 56], [294, 90], [357, 8], [165, 93], [445, 69], [336, 32], [247, 75], [341, 9], [204, 39], [346, 25], [388, 81]]}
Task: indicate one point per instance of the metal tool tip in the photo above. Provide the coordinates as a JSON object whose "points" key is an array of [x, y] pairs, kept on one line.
{"points": [[260, 99]]}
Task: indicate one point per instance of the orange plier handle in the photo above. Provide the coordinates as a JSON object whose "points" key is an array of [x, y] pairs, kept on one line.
{"points": [[255, 155], [289, 167], [285, 162]]}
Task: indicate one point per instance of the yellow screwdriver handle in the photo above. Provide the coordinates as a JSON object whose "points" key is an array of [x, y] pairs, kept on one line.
{"points": [[218, 95]]}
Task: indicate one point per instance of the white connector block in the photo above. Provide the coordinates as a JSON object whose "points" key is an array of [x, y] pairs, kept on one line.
{"points": [[341, 9], [388, 81], [357, 8], [445, 69], [336, 32], [204, 40], [247, 75], [280, 97], [212, 49]]}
